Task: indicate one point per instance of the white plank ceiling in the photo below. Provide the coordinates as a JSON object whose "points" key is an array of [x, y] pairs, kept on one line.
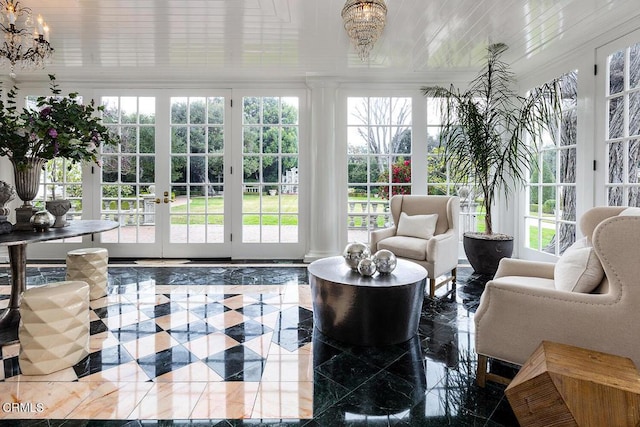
{"points": [[228, 40]]}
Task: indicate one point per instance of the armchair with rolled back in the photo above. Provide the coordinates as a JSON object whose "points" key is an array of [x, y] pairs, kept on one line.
{"points": [[425, 231], [589, 298]]}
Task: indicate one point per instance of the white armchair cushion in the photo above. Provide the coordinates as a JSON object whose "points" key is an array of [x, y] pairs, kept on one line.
{"points": [[630, 212], [578, 269], [420, 226], [405, 247]]}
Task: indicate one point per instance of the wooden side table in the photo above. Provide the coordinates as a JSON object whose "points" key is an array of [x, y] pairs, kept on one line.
{"points": [[562, 385]]}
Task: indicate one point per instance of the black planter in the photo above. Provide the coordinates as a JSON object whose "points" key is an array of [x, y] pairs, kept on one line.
{"points": [[484, 252]]}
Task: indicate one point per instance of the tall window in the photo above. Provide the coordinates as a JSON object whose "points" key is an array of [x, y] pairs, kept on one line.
{"points": [[437, 172], [128, 170], [379, 160], [623, 127], [270, 135], [438, 177], [550, 220], [197, 170]]}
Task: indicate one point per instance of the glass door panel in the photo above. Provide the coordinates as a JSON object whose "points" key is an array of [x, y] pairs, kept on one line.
{"points": [[379, 154], [63, 181], [623, 128], [270, 170], [268, 196], [127, 184], [197, 176]]}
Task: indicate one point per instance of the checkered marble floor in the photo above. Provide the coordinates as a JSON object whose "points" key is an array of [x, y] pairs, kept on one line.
{"points": [[215, 345]]}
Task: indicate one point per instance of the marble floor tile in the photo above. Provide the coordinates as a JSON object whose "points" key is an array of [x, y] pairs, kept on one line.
{"points": [[227, 400], [111, 401], [129, 371], [150, 344], [169, 400], [64, 375], [284, 399], [226, 320], [175, 320], [102, 340], [262, 344], [193, 372], [288, 368], [210, 344], [43, 400], [233, 345]]}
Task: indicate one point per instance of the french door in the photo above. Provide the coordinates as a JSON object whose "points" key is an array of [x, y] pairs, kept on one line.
{"points": [[267, 176], [618, 133], [166, 183], [186, 183]]}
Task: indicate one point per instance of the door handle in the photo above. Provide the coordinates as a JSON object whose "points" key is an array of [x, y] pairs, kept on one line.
{"points": [[166, 200], [157, 201]]}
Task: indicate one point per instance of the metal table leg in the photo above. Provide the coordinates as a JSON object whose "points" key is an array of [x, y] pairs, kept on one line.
{"points": [[11, 316]]}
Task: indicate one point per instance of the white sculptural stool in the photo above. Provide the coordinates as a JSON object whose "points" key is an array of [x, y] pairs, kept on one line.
{"points": [[89, 265], [54, 327]]}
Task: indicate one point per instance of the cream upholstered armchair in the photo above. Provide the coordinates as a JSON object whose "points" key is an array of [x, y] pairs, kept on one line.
{"points": [[569, 301], [425, 231]]}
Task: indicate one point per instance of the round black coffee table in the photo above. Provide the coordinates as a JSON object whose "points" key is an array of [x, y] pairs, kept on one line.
{"points": [[382, 309]]}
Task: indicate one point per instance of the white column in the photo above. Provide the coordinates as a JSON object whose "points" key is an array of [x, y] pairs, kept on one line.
{"points": [[324, 201]]}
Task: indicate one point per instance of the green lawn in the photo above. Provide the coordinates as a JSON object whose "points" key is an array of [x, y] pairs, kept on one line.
{"points": [[547, 236], [198, 207]]}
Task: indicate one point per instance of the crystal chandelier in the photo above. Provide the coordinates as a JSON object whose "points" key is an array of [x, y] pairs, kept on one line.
{"points": [[26, 43], [364, 21]]}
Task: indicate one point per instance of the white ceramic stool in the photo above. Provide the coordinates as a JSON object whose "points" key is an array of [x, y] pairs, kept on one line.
{"points": [[54, 327], [89, 265]]}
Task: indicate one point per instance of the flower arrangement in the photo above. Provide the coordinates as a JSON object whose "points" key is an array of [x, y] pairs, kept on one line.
{"points": [[59, 127], [401, 175]]}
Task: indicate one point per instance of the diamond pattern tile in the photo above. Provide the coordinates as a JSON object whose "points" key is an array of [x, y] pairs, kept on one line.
{"points": [[221, 346], [237, 363]]}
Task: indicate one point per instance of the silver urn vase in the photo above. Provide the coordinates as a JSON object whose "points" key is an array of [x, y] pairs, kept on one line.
{"points": [[27, 181], [59, 209]]}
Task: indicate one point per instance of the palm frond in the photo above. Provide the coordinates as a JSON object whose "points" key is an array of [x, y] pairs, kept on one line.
{"points": [[487, 129]]}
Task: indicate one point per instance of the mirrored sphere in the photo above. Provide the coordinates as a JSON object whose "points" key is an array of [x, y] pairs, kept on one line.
{"points": [[367, 267], [42, 220], [354, 252], [385, 261]]}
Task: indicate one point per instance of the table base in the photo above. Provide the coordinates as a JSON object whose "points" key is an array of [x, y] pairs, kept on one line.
{"points": [[367, 316], [9, 326]]}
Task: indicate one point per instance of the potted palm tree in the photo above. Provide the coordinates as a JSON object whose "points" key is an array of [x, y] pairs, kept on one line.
{"points": [[488, 137]]}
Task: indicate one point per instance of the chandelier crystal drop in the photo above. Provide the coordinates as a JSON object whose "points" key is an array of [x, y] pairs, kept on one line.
{"points": [[364, 21], [26, 42]]}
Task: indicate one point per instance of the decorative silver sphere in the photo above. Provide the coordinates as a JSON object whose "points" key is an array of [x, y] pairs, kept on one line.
{"points": [[354, 252], [367, 267], [385, 261], [42, 220]]}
